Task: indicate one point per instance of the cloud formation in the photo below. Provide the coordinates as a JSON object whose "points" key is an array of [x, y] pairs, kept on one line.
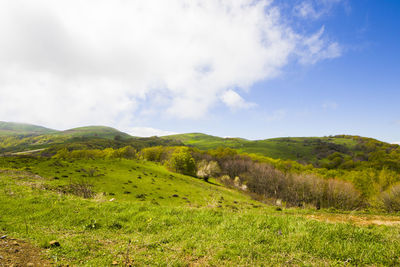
{"points": [[235, 101], [315, 9], [68, 62], [147, 132]]}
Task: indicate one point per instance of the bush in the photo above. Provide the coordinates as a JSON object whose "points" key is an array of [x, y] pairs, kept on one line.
{"points": [[181, 161], [298, 189], [391, 198], [209, 169]]}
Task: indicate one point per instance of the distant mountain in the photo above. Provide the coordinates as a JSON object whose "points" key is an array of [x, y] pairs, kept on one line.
{"points": [[18, 137], [95, 131], [13, 128]]}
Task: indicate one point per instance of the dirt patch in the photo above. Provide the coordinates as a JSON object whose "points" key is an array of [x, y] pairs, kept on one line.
{"points": [[14, 252], [356, 219]]}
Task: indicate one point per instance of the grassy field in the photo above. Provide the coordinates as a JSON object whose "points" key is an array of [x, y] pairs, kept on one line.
{"points": [[162, 218], [10, 128], [293, 148]]}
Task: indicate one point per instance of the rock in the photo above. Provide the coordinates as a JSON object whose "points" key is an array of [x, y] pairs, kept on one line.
{"points": [[3, 236], [15, 243], [54, 243], [111, 200]]}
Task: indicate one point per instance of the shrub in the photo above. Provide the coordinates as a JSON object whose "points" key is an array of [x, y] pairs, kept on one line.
{"points": [[209, 169], [391, 198], [181, 161]]}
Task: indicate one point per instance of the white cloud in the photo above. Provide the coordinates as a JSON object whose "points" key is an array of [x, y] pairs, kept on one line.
{"points": [[316, 48], [67, 63], [147, 131], [277, 115], [235, 101], [309, 9]]}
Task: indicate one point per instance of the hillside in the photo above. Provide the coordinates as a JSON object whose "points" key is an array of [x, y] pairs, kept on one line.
{"points": [[94, 131], [319, 151], [12, 128], [131, 212], [90, 137], [293, 148]]}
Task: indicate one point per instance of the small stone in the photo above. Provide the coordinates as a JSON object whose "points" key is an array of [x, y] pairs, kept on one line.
{"points": [[54, 243], [111, 200], [3, 236], [15, 243], [115, 263]]}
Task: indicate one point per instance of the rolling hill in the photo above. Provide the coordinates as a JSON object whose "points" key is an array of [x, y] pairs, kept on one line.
{"points": [[12, 128], [314, 150], [130, 212], [20, 137]]}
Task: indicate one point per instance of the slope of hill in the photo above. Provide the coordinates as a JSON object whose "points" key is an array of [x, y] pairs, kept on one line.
{"points": [[294, 148], [328, 152], [90, 137], [13, 128], [95, 131], [138, 213]]}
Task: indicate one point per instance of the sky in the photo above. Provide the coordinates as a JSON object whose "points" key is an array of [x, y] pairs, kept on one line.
{"points": [[244, 68]]}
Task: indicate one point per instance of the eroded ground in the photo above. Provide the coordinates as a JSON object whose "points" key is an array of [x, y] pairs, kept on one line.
{"points": [[14, 252]]}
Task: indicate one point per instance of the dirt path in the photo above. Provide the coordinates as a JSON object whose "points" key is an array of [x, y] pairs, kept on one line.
{"points": [[357, 219], [14, 252], [28, 152]]}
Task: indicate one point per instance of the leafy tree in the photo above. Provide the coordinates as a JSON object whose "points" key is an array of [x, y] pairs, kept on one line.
{"points": [[181, 161]]}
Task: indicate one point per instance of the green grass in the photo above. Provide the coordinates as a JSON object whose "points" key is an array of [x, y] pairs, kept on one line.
{"points": [[292, 148], [12, 128], [93, 131], [206, 224]]}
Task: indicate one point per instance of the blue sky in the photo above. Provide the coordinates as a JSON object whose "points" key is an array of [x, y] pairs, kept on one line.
{"points": [[229, 68], [356, 93]]}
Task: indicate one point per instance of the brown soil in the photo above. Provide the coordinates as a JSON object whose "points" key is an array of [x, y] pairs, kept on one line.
{"points": [[14, 252], [357, 220]]}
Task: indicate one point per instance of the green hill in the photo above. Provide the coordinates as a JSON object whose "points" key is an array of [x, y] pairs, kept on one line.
{"points": [[94, 131], [129, 212], [12, 128], [320, 151], [294, 148], [90, 137]]}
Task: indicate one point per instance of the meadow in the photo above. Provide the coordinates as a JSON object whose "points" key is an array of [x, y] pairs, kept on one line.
{"points": [[139, 213]]}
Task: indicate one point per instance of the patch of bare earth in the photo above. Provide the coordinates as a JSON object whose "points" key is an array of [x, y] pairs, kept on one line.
{"points": [[356, 219], [14, 252]]}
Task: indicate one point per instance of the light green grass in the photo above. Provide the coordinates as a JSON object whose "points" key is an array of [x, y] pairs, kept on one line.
{"points": [[12, 128], [213, 226], [292, 148]]}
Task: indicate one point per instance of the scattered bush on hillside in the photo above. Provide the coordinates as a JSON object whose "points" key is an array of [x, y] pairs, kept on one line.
{"points": [[127, 152], [297, 189], [391, 198], [82, 188], [181, 161], [205, 169], [156, 153]]}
